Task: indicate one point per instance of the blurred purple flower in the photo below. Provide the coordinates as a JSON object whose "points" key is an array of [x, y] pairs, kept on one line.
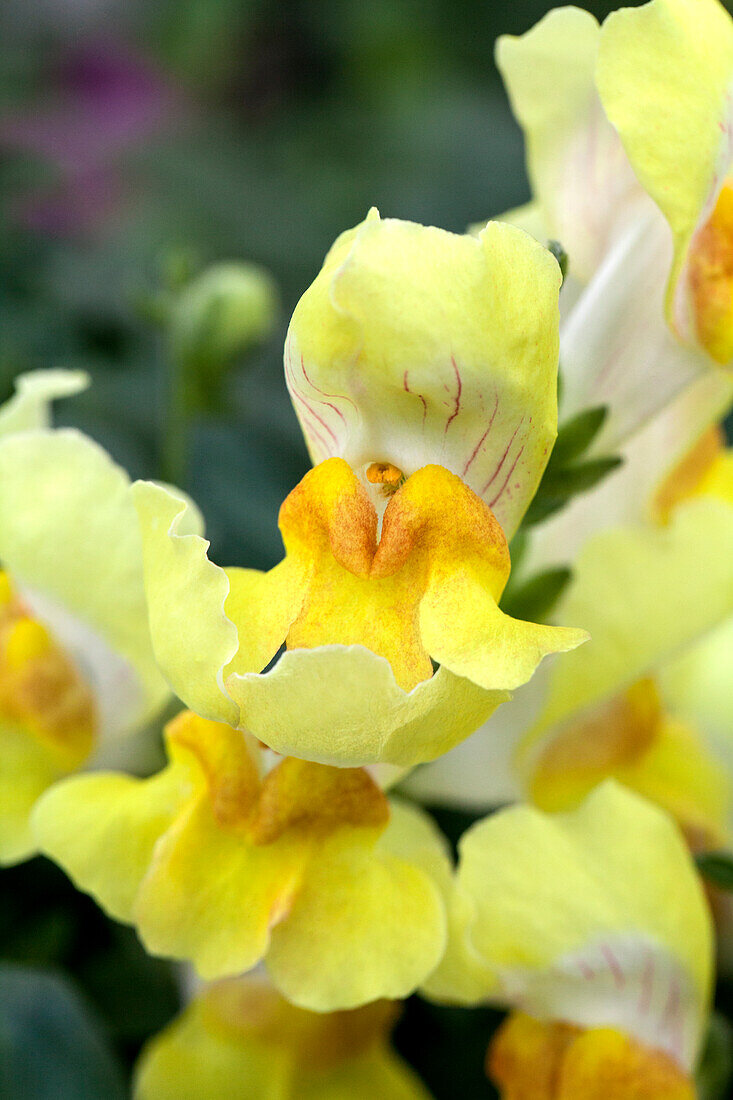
{"points": [[106, 101]]}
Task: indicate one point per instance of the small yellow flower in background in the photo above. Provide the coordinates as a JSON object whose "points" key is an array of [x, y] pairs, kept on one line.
{"points": [[628, 129], [596, 924], [77, 671], [221, 862], [238, 1039], [423, 368]]}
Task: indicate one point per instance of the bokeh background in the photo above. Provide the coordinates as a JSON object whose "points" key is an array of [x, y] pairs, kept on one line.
{"points": [[140, 141]]}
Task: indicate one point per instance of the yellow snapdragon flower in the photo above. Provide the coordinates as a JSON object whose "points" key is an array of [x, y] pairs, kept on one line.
{"points": [[241, 1040], [423, 368], [76, 666], [219, 861], [647, 702], [619, 714], [628, 134], [594, 926]]}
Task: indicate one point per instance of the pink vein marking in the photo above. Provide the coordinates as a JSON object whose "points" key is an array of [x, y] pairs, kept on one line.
{"points": [[311, 427], [506, 479], [613, 966], [502, 460], [480, 443], [323, 393], [587, 971], [313, 412], [408, 390], [647, 984], [673, 1013], [457, 397]]}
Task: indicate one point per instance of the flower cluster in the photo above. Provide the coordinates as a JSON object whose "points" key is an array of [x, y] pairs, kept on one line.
{"points": [[282, 850]]}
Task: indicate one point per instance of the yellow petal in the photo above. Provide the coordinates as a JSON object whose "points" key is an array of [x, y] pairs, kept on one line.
{"points": [[630, 739], [417, 346], [192, 637], [554, 1061], [192, 1059], [28, 768], [341, 705], [385, 920], [596, 917], [210, 897], [102, 829], [190, 601], [69, 540], [696, 687], [241, 1040], [643, 594], [579, 174], [664, 76]]}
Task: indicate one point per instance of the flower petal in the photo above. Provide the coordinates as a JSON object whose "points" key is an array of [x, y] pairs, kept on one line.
{"points": [[265, 1049], [192, 603], [102, 829], [643, 594], [28, 768], [194, 1059], [627, 496], [416, 346], [192, 637], [69, 539], [579, 172], [383, 919], [616, 348], [341, 705], [30, 405], [210, 897], [665, 76], [596, 917]]}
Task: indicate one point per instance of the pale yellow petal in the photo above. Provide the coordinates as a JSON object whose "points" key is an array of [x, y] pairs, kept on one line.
{"points": [[366, 924], [341, 705]]}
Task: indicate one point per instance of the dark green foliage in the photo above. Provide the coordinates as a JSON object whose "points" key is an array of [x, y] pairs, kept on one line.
{"points": [[714, 1074], [52, 1044], [534, 599], [717, 868], [568, 473]]}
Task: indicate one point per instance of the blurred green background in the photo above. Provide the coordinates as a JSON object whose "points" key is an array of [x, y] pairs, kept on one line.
{"points": [[140, 142]]}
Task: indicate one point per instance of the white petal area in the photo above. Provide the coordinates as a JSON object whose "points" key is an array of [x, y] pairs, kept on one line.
{"points": [[480, 773], [681, 143], [623, 980], [114, 680], [580, 175], [615, 346], [341, 705], [626, 495], [30, 406], [69, 540]]}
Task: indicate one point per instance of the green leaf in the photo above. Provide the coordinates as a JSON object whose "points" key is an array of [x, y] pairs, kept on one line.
{"points": [[717, 868], [569, 480], [52, 1046], [714, 1074], [534, 599], [576, 435]]}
